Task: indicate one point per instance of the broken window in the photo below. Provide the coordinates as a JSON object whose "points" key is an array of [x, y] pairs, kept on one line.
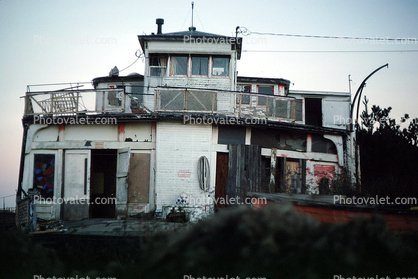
{"points": [[43, 177], [220, 66], [157, 65], [114, 98], [137, 97], [178, 65], [245, 99], [266, 90], [323, 145], [200, 65]]}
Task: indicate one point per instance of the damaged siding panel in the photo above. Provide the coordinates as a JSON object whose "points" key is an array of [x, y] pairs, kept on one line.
{"points": [[336, 113], [139, 178]]}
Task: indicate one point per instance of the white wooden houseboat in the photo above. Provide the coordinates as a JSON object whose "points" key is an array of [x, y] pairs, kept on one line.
{"points": [[190, 133]]}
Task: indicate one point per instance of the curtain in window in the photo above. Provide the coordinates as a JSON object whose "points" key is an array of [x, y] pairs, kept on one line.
{"points": [[178, 65], [200, 66], [220, 66]]}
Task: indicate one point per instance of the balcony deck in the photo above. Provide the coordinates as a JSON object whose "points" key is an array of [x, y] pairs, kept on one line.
{"points": [[74, 101]]}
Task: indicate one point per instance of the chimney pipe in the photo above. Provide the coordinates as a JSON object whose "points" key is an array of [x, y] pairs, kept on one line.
{"points": [[160, 22]]}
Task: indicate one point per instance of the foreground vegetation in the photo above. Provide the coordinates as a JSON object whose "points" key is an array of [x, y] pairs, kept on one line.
{"points": [[275, 242]]}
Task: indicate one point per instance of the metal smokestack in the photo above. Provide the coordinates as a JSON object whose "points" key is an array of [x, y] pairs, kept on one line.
{"points": [[160, 22]]}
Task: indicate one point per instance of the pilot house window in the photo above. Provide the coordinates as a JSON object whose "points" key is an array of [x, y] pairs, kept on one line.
{"points": [[157, 65], [200, 65], [220, 66], [178, 66]]}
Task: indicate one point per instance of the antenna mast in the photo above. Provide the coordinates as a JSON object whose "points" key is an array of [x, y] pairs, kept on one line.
{"points": [[192, 12]]}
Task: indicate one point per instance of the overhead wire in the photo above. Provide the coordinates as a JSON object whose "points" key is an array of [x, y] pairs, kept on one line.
{"points": [[246, 32]]}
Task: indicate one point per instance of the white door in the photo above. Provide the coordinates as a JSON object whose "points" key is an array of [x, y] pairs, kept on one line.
{"points": [[122, 181], [76, 184]]}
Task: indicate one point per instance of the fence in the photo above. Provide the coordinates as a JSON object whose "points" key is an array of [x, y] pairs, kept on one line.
{"points": [[7, 208]]}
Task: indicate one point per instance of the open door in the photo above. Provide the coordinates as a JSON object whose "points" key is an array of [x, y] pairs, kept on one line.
{"points": [[122, 181], [103, 183], [76, 184]]}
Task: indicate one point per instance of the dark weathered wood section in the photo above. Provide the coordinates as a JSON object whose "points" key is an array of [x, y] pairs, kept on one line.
{"points": [[244, 171]]}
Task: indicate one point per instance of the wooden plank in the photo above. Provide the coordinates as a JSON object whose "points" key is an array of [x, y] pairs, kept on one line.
{"points": [[221, 179], [139, 177]]}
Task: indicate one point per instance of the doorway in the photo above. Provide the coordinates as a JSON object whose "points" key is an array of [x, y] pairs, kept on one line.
{"points": [[313, 111], [103, 183]]}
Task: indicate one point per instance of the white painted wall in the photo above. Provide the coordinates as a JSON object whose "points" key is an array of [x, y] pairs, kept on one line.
{"points": [[178, 149], [47, 134], [138, 131], [91, 132]]}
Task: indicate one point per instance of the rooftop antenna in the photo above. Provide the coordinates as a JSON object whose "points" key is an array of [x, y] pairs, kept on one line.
{"points": [[192, 12], [192, 28]]}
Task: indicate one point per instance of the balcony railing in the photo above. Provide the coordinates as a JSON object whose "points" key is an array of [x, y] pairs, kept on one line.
{"points": [[81, 101], [224, 102], [109, 100]]}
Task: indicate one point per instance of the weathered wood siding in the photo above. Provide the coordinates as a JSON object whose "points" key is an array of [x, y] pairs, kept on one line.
{"points": [[244, 171]]}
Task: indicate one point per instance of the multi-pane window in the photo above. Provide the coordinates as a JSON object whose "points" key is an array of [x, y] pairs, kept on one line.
{"points": [[266, 90], [200, 65], [178, 66], [43, 174], [220, 66], [158, 65]]}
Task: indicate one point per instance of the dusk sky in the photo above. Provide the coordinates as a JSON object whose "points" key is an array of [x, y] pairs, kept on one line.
{"points": [[52, 41]]}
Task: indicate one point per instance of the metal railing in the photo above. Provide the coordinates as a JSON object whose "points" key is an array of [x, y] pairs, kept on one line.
{"points": [[4, 208], [72, 101], [225, 102]]}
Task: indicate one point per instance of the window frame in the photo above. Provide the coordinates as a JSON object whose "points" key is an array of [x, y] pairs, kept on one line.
{"points": [[249, 97], [187, 65], [258, 97], [161, 67], [191, 65], [213, 63], [55, 173]]}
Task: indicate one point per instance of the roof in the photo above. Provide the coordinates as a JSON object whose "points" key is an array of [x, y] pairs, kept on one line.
{"points": [[128, 78], [192, 33], [280, 81], [322, 93]]}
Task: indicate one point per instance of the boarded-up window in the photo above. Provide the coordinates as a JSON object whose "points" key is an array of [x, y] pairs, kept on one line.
{"points": [[43, 177], [139, 176]]}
